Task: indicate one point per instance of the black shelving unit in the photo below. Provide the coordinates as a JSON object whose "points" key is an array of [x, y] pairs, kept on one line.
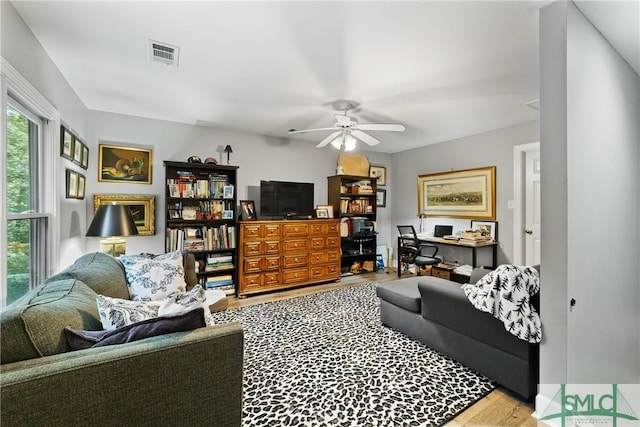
{"points": [[353, 199], [200, 215]]}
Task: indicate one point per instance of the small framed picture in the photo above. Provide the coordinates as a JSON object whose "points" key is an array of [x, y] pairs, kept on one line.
{"points": [[77, 151], [329, 209], [227, 192], [380, 173], [248, 210], [85, 157], [72, 184], [381, 197], [322, 213], [174, 190], [486, 228], [227, 214], [82, 185], [66, 143], [175, 214]]}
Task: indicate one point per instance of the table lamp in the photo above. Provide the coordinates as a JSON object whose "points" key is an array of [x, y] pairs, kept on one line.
{"points": [[228, 150], [113, 222]]}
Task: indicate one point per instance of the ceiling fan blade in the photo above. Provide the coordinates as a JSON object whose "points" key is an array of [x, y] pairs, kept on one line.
{"points": [[292, 131], [328, 139], [364, 137], [387, 127], [343, 120]]}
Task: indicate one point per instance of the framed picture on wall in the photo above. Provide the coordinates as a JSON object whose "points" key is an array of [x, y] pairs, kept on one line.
{"points": [[380, 173], [468, 193], [66, 143], [142, 208], [123, 164]]}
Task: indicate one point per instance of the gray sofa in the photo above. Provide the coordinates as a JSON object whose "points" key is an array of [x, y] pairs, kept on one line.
{"points": [[437, 313], [184, 378]]}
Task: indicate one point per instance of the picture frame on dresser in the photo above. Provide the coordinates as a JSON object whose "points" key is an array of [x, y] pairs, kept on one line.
{"points": [[329, 209], [248, 210]]}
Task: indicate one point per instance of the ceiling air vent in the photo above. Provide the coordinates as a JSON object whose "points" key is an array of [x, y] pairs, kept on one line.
{"points": [[163, 52]]}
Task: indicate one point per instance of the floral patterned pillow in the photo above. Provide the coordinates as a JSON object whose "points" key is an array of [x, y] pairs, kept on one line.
{"points": [[154, 278], [116, 313]]}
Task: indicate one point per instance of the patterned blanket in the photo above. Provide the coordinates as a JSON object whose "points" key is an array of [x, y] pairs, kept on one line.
{"points": [[506, 294]]}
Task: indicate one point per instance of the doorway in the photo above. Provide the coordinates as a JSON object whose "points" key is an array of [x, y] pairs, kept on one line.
{"points": [[526, 204]]}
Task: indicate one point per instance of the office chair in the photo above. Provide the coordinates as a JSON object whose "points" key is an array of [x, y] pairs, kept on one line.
{"points": [[411, 250]]}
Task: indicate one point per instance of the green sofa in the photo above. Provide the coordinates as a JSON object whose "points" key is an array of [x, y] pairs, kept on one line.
{"points": [[186, 378]]}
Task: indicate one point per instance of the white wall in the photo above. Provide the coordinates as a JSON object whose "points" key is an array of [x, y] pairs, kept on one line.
{"points": [[590, 103], [23, 51], [259, 158], [493, 148]]}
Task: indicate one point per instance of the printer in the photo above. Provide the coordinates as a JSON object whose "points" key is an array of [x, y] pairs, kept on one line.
{"points": [[362, 226]]}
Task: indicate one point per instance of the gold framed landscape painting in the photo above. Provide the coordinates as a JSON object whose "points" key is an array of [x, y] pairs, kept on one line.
{"points": [[468, 193], [142, 208], [124, 164]]}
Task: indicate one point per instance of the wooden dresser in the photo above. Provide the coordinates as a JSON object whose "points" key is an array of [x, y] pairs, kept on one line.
{"points": [[282, 254]]}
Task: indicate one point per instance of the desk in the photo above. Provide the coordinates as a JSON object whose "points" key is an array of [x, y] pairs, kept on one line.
{"points": [[472, 246]]}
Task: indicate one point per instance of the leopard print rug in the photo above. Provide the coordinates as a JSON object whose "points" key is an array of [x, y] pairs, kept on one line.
{"points": [[326, 360]]}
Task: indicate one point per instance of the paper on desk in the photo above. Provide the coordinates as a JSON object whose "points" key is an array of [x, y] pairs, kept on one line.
{"points": [[464, 269]]}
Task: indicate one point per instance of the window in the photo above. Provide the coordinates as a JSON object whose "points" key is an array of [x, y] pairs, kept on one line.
{"points": [[26, 222], [28, 185]]}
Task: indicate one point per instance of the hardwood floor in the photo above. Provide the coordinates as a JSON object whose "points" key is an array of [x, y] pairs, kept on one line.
{"points": [[498, 408]]}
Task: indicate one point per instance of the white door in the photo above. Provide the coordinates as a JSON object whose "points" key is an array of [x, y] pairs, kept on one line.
{"points": [[532, 208]]}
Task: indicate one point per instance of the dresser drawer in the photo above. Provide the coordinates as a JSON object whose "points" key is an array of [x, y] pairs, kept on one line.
{"points": [[271, 262], [295, 260], [271, 230], [271, 246], [297, 275], [333, 271], [333, 228], [271, 278], [294, 230], [318, 257], [317, 243], [333, 256], [318, 228], [251, 249], [333, 242], [317, 272], [251, 231], [252, 265], [296, 245], [251, 282]]}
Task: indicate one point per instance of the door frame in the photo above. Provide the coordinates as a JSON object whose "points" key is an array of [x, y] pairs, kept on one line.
{"points": [[519, 182]]}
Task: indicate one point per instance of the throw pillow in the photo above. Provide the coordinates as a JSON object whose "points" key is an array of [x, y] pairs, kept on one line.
{"points": [[116, 313], [181, 322], [153, 278], [195, 298]]}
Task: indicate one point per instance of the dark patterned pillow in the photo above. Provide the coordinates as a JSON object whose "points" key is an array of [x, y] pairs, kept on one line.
{"points": [[180, 322], [154, 278], [116, 313]]}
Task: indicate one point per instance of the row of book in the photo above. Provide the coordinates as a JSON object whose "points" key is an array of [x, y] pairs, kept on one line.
{"points": [[223, 283], [355, 206], [200, 238], [218, 262], [188, 186]]}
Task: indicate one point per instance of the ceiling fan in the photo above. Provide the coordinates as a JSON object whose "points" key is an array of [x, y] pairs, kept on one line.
{"points": [[347, 129]]}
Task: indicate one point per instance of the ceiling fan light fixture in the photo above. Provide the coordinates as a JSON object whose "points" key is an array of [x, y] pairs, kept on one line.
{"points": [[337, 143], [349, 143]]}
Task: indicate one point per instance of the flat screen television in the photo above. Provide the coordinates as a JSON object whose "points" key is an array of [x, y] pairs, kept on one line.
{"points": [[282, 199]]}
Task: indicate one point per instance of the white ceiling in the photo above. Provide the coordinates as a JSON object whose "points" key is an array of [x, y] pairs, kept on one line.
{"points": [[445, 69]]}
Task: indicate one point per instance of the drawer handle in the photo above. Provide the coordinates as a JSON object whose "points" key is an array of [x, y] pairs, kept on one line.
{"points": [[296, 259]]}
